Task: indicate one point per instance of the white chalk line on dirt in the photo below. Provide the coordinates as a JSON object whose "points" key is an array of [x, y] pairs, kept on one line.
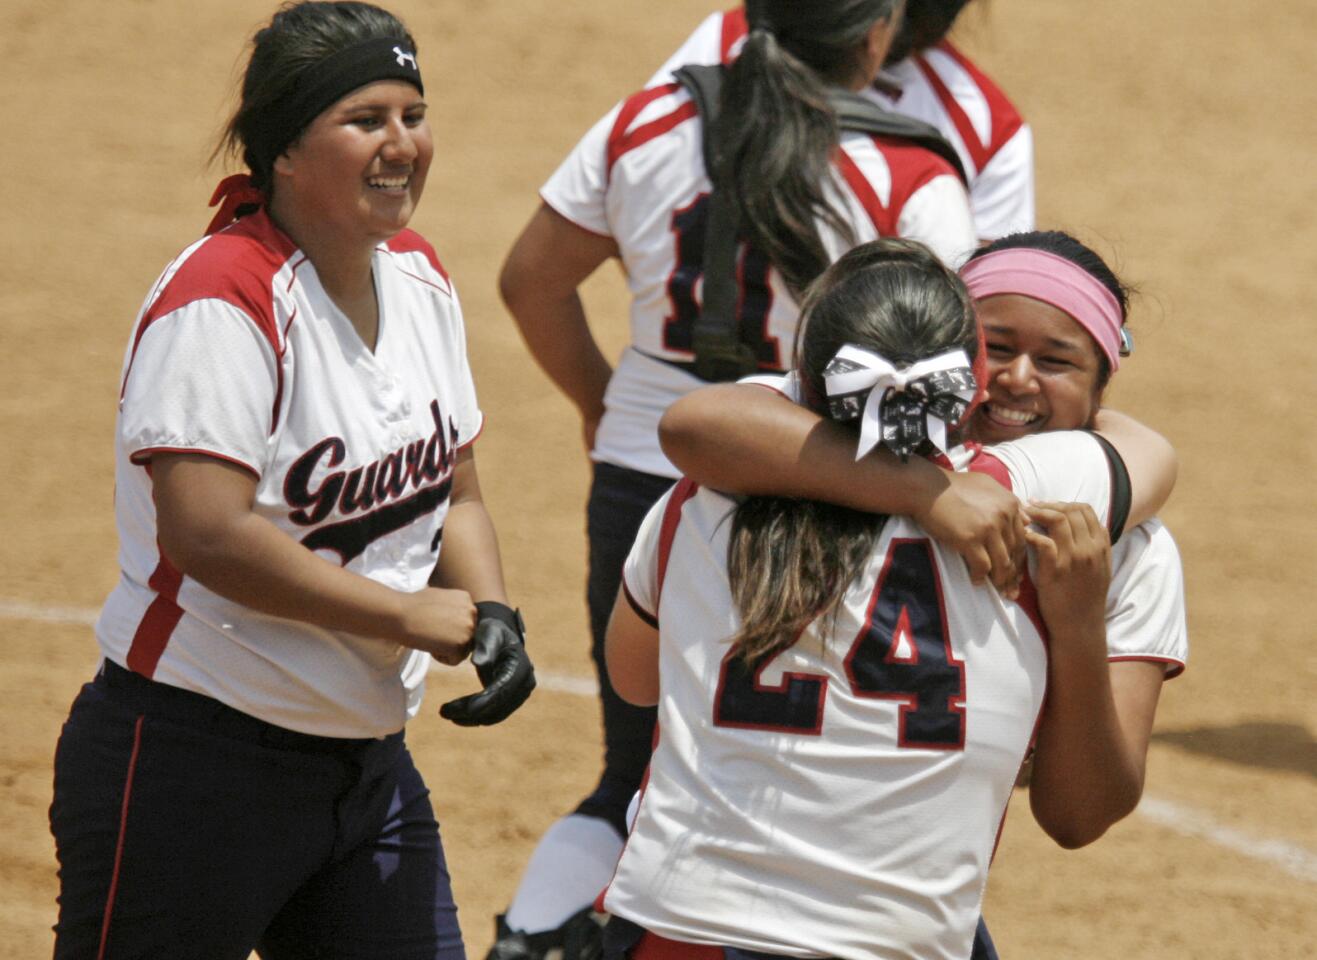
{"points": [[85, 616], [1290, 857], [1293, 859]]}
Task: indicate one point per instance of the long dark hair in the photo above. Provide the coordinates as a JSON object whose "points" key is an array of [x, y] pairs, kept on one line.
{"points": [[1062, 244], [791, 561], [925, 23], [299, 36], [777, 132]]}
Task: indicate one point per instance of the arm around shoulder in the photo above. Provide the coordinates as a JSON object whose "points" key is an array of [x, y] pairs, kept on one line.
{"points": [[746, 439], [1149, 458]]}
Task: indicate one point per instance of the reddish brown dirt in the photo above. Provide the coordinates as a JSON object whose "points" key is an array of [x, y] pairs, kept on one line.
{"points": [[1176, 144]]}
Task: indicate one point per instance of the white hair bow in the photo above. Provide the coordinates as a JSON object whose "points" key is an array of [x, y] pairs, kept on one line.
{"points": [[900, 408]]}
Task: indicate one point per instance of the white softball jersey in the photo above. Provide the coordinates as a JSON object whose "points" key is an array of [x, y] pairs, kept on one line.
{"points": [[1145, 602], [240, 354], [844, 797], [638, 177], [940, 86]]}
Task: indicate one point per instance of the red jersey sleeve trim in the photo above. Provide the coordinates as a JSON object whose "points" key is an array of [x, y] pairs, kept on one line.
{"points": [[734, 29], [622, 139], [142, 458], [1005, 120], [1173, 666]]}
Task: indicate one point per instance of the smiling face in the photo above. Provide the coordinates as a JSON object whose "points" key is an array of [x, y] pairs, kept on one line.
{"points": [[1043, 370], [359, 168]]}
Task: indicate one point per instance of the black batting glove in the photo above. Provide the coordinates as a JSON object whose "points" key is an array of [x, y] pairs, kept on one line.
{"points": [[499, 655]]}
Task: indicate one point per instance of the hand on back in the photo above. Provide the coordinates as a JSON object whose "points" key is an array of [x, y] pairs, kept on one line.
{"points": [[982, 521], [1074, 562]]}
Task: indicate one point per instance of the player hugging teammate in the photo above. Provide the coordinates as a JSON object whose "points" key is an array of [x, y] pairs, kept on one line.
{"points": [[627, 159]]}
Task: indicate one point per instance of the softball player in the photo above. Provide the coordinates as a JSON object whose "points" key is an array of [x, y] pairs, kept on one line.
{"points": [[842, 714], [1053, 316], [293, 444], [636, 188], [928, 78]]}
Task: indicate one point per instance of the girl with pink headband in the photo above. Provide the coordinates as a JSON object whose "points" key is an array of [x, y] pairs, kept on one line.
{"points": [[1052, 316]]}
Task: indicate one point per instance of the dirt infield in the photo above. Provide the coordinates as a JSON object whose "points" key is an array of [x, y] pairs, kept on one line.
{"points": [[1168, 141]]}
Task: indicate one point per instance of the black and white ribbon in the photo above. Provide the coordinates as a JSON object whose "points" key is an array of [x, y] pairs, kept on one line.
{"points": [[899, 408]]}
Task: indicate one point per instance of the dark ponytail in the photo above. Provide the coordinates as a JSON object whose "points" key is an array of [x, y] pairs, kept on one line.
{"points": [[777, 131], [925, 23], [791, 561]]}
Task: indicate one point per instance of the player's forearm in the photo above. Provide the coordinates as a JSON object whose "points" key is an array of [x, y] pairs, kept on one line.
{"points": [[745, 439], [1085, 775], [558, 336], [249, 561], [469, 558], [207, 530], [550, 259]]}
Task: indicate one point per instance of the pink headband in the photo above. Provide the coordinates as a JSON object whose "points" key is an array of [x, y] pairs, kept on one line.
{"points": [[1051, 279]]}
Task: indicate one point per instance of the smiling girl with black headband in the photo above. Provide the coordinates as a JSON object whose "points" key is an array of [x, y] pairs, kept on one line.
{"points": [[293, 444]]}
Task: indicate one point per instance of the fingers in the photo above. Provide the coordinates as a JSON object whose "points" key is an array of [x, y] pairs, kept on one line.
{"points": [[1077, 521], [978, 560], [1044, 546], [439, 621], [451, 655], [1074, 538], [1006, 572], [511, 681]]}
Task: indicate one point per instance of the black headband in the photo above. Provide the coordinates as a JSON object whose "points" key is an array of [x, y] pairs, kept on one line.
{"points": [[325, 83]]}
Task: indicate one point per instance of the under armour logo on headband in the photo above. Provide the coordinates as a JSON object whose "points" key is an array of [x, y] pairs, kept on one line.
{"points": [[404, 58], [899, 408]]}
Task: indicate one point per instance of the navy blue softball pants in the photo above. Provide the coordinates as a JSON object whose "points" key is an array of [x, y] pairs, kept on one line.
{"points": [[186, 829]]}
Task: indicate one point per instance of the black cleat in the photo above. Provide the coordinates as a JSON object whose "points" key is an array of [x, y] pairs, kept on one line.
{"points": [[579, 938]]}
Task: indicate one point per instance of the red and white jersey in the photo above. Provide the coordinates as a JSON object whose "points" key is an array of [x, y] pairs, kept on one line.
{"points": [[940, 86], [240, 354], [638, 177], [843, 798]]}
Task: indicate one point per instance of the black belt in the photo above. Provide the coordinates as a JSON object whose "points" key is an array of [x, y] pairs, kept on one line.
{"points": [[161, 699]]}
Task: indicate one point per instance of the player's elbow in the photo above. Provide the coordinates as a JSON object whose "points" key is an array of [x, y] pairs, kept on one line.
{"points": [[514, 284], [1071, 837], [681, 429], [696, 430], [1074, 822]]}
